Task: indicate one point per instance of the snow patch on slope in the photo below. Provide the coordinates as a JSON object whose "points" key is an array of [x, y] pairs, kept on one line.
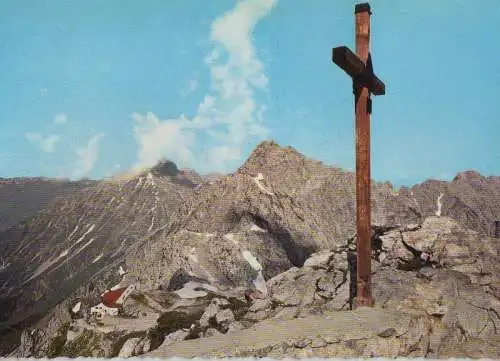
{"points": [[152, 222], [44, 266], [74, 231], [191, 290], [259, 282], [92, 226], [439, 205], [258, 180], [121, 271], [250, 258], [98, 258], [230, 237], [83, 247], [192, 256], [4, 265], [256, 228], [76, 307]]}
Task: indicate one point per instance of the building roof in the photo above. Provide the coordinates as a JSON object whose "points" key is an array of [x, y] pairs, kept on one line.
{"points": [[109, 298]]}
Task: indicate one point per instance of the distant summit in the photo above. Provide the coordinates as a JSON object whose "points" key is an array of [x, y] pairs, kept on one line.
{"points": [[468, 175], [23, 197], [165, 167], [269, 154]]}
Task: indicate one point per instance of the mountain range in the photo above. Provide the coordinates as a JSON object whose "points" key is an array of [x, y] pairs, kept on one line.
{"points": [[62, 241]]}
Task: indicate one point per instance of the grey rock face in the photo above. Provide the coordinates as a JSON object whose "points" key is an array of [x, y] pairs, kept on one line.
{"points": [[413, 315], [143, 346], [27, 348], [224, 318], [23, 198], [235, 326], [180, 278], [128, 347], [278, 206], [212, 332], [210, 312], [175, 337], [471, 199], [275, 210]]}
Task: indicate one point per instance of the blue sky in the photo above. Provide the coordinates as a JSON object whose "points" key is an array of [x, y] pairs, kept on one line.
{"points": [[88, 88]]}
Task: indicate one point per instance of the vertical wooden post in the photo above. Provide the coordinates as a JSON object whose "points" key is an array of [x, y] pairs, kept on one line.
{"points": [[360, 68], [363, 216]]}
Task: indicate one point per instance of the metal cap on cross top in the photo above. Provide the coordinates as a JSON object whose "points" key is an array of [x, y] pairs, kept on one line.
{"points": [[362, 8], [360, 68]]}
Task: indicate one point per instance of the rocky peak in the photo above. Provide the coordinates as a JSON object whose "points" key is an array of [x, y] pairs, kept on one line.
{"points": [[165, 167], [284, 169], [168, 171], [468, 175], [269, 155]]}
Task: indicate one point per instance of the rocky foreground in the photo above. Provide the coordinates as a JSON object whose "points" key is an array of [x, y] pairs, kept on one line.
{"points": [[436, 289]]}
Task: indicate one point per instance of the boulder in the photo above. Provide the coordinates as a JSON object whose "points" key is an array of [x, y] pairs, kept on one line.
{"points": [[224, 318], [212, 332], [175, 337], [211, 311], [143, 346], [235, 326], [320, 259], [128, 347]]}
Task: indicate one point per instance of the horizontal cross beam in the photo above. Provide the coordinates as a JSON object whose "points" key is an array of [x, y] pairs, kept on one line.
{"points": [[357, 70]]}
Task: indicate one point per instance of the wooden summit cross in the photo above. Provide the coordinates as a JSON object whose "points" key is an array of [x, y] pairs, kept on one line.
{"points": [[359, 67]]}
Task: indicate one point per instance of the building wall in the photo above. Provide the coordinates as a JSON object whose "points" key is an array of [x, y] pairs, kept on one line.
{"points": [[101, 310]]}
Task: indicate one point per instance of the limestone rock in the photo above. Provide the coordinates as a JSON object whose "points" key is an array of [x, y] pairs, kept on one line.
{"points": [[287, 313], [143, 346], [319, 260], [128, 347], [224, 318], [211, 311], [260, 305], [174, 337], [212, 332], [235, 326]]}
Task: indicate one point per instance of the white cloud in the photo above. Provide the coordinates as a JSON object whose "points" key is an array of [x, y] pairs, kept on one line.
{"points": [[157, 138], [87, 156], [229, 114], [46, 143], [60, 119]]}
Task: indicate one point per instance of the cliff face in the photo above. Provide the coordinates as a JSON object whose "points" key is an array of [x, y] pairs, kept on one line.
{"points": [[470, 198]]}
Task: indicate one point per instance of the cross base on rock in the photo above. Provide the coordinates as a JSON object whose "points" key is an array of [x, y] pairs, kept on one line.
{"points": [[363, 302]]}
